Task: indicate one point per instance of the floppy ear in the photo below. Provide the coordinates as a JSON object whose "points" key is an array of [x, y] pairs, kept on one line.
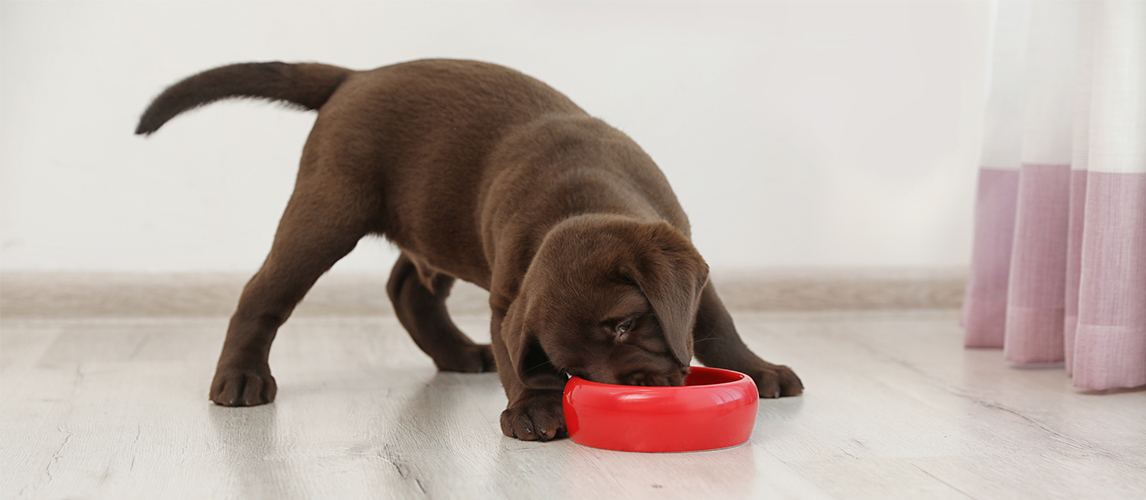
{"points": [[672, 275], [529, 360]]}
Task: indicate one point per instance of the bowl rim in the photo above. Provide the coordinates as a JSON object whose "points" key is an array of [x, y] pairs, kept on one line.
{"points": [[737, 378]]}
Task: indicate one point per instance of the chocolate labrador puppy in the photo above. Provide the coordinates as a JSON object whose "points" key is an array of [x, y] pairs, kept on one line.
{"points": [[478, 172]]}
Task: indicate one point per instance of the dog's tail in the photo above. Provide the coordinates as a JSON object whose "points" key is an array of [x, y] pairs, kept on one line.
{"points": [[304, 85]]}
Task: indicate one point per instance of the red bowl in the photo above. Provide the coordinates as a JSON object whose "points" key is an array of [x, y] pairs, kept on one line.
{"points": [[714, 409]]}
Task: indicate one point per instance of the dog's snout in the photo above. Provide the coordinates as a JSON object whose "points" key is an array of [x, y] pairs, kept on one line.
{"points": [[653, 379]]}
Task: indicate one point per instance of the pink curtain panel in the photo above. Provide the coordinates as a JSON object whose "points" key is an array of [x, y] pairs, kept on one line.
{"points": [[1058, 266]]}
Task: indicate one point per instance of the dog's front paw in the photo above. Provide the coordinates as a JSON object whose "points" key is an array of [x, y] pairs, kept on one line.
{"points": [[243, 387], [535, 418], [775, 381]]}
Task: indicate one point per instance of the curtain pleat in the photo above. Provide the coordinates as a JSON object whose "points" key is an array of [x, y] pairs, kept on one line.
{"points": [[1058, 270], [985, 304]]}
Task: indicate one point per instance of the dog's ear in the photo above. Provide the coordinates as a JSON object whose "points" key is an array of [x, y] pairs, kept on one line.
{"points": [[529, 360], [671, 274]]}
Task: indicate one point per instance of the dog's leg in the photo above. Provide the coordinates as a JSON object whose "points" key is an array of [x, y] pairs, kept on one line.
{"points": [[322, 223], [717, 344], [532, 414], [423, 312]]}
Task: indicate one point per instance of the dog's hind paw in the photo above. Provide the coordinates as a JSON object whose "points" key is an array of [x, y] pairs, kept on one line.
{"points": [[474, 358]]}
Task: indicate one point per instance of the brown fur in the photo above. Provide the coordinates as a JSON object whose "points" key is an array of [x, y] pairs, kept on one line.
{"points": [[481, 173]]}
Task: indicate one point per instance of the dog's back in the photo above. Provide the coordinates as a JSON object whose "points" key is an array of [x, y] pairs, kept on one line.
{"points": [[448, 150], [441, 90], [418, 133]]}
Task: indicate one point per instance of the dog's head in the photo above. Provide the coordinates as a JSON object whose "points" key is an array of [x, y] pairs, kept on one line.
{"points": [[607, 299]]}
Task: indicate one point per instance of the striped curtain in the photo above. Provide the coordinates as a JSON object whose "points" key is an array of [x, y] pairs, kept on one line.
{"points": [[1058, 267]]}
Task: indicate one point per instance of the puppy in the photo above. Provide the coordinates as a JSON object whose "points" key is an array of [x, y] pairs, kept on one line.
{"points": [[478, 172]]}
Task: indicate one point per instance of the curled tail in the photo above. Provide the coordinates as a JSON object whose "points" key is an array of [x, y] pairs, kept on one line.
{"points": [[305, 85]]}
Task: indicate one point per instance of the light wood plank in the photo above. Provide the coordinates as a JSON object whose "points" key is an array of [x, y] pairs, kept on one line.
{"points": [[103, 407]]}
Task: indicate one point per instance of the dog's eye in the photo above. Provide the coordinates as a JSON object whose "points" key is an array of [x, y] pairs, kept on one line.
{"points": [[624, 327]]}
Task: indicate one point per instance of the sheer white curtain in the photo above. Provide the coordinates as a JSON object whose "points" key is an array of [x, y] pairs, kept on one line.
{"points": [[1058, 270]]}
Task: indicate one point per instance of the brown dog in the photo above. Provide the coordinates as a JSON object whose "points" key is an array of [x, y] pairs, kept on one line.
{"points": [[479, 172]]}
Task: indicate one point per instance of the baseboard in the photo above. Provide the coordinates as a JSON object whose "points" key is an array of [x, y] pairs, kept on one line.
{"points": [[58, 294]]}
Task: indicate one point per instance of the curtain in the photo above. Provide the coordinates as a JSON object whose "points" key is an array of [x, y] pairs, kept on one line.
{"points": [[1058, 265]]}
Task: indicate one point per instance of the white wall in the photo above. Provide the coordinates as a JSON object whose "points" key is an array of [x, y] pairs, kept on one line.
{"points": [[795, 133]]}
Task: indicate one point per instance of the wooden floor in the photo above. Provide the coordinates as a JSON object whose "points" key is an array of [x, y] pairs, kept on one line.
{"points": [[115, 407]]}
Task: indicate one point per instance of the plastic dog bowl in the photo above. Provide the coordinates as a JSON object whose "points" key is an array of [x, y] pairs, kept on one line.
{"points": [[714, 409]]}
